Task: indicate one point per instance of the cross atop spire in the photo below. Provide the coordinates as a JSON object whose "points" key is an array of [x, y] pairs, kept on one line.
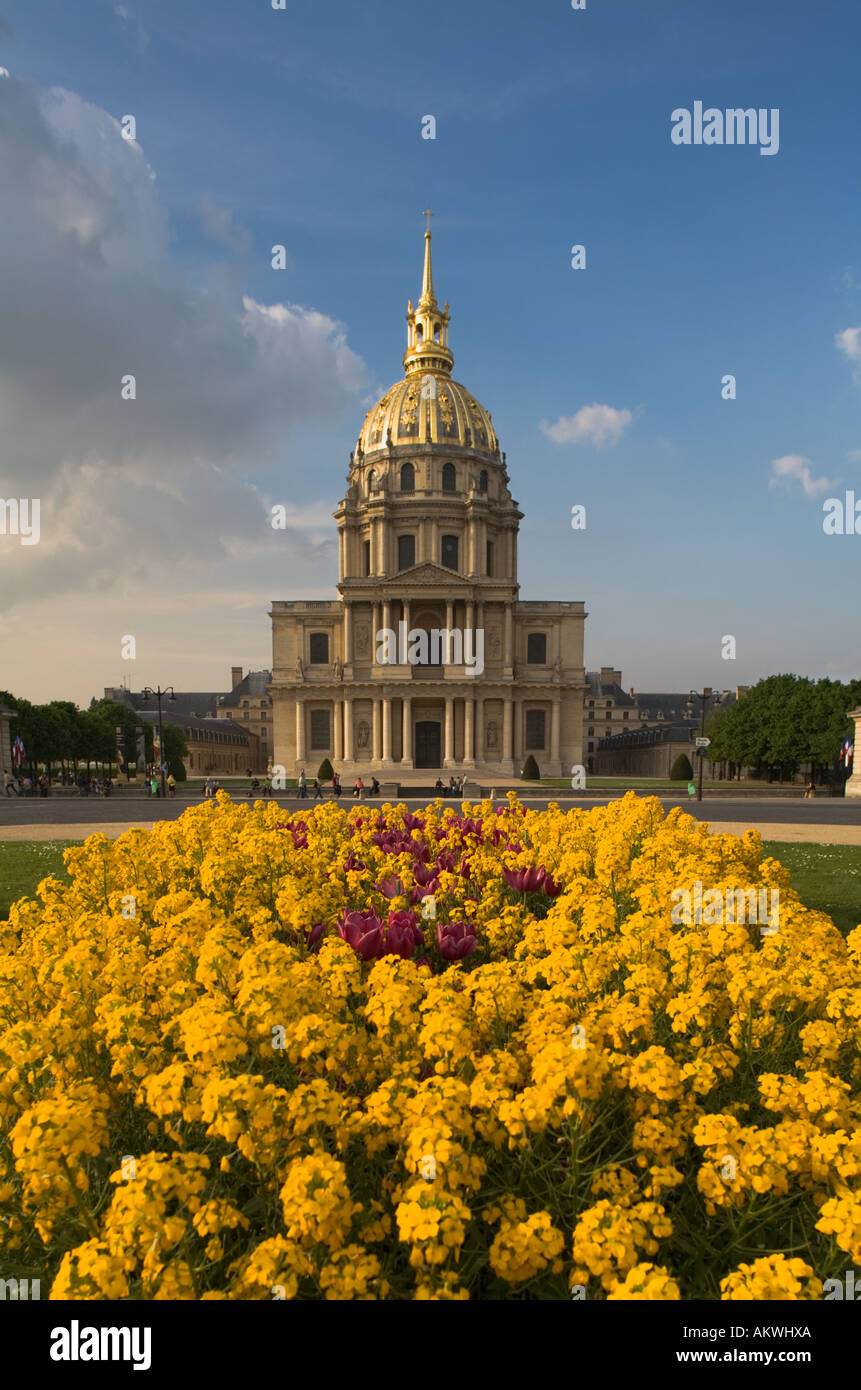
{"points": [[428, 214]]}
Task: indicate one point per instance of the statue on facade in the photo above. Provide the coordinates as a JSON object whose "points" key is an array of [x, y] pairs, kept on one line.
{"points": [[338, 667], [491, 734], [557, 669], [300, 669], [362, 734]]}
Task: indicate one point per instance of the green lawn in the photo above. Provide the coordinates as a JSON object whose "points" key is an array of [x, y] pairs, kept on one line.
{"points": [[23, 865], [827, 877]]}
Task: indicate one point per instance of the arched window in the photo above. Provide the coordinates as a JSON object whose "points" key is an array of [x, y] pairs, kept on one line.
{"points": [[449, 478], [448, 552], [408, 478], [482, 480], [536, 649], [406, 552], [419, 332], [436, 332], [318, 644]]}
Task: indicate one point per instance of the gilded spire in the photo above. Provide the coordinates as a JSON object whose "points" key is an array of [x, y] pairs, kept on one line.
{"points": [[428, 298], [427, 326]]}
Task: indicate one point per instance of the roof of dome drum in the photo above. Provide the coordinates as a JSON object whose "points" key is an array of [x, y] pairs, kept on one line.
{"points": [[428, 405]]}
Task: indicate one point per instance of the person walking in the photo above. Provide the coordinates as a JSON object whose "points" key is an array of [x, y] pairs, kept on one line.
{"points": [[358, 788], [267, 787], [153, 784], [336, 785], [7, 783], [375, 787], [318, 790], [171, 784], [303, 784], [810, 789]]}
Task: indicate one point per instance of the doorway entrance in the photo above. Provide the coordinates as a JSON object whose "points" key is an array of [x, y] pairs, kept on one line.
{"points": [[428, 743]]}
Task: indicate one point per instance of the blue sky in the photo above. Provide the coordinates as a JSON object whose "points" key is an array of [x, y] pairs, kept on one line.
{"points": [[303, 127]]}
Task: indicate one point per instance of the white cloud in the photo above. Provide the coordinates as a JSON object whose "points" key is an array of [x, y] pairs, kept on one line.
{"points": [[160, 492], [795, 466], [592, 424], [219, 225], [849, 343]]}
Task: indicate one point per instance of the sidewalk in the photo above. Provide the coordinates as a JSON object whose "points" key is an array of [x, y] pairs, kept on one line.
{"points": [[775, 830]]}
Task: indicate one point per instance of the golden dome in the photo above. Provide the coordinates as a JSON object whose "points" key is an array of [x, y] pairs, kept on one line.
{"points": [[428, 406]]}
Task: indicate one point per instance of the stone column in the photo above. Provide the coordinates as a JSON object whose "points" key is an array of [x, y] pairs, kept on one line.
{"points": [[338, 742], [470, 618], [375, 627], [407, 733], [300, 731], [479, 731], [375, 746], [348, 731], [348, 634], [387, 732], [449, 614], [382, 558], [406, 619], [387, 616], [554, 734], [853, 785], [508, 647], [448, 756], [468, 758], [507, 731]]}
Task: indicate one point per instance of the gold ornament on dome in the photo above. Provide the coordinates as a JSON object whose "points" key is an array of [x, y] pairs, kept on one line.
{"points": [[409, 411], [446, 411]]}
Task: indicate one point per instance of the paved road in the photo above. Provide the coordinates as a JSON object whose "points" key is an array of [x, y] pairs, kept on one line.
{"points": [[67, 812]]}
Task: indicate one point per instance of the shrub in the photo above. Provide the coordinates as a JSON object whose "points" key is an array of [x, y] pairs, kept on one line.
{"points": [[681, 770], [325, 772], [530, 771]]}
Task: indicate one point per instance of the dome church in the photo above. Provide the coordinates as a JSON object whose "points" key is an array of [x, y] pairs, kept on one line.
{"points": [[428, 658]]}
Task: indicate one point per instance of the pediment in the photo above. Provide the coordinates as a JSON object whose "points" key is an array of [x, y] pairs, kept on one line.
{"points": [[428, 573]]}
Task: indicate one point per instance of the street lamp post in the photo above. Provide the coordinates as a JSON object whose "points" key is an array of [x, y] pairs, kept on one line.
{"points": [[159, 694], [707, 694]]}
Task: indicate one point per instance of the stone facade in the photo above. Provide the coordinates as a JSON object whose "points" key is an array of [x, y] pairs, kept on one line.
{"points": [[427, 540]]}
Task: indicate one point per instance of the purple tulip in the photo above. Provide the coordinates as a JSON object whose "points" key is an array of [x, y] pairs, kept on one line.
{"points": [[423, 875], [390, 887], [313, 935], [455, 940], [364, 932], [351, 862], [402, 935]]}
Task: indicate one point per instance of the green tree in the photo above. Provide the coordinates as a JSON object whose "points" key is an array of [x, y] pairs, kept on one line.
{"points": [[175, 749]]}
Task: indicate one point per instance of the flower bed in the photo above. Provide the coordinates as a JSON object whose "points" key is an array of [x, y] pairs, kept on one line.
{"points": [[457, 1054]]}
